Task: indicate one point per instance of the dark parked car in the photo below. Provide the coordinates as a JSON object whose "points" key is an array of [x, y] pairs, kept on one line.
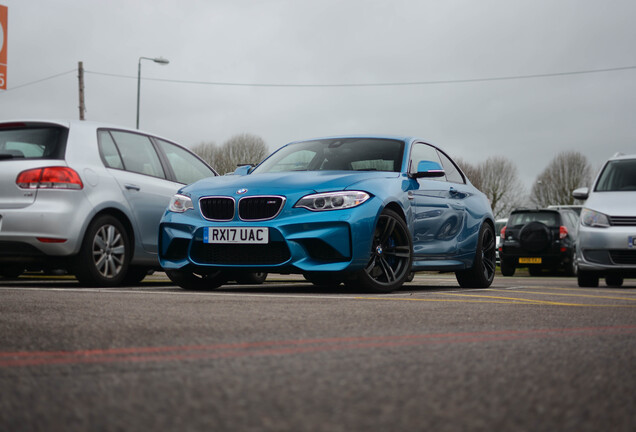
{"points": [[539, 239]]}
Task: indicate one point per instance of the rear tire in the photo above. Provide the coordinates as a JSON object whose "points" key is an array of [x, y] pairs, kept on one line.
{"points": [[252, 278], [482, 273], [105, 253], [11, 271], [196, 282], [507, 269]]}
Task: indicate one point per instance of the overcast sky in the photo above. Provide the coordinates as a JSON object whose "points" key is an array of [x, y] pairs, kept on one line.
{"points": [[452, 48]]}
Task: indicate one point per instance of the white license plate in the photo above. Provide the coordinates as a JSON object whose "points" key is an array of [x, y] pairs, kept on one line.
{"points": [[239, 235]]}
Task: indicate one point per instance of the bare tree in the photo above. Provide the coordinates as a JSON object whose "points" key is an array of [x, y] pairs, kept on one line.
{"points": [[206, 151], [239, 150], [497, 178], [473, 172], [501, 184], [566, 172]]}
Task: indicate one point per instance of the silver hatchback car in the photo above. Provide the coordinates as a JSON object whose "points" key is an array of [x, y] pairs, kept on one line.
{"points": [[606, 244], [86, 197]]}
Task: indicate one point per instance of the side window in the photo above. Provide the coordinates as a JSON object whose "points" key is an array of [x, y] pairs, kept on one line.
{"points": [[452, 173], [108, 150], [187, 167], [421, 152], [138, 153]]}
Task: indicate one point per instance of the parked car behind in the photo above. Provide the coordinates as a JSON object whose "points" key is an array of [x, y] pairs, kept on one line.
{"points": [[86, 197], [606, 246], [366, 211], [539, 239], [499, 225], [575, 208]]}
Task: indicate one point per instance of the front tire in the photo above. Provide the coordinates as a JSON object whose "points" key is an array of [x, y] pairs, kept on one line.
{"points": [[587, 279], [614, 281], [391, 256], [105, 253], [197, 282], [482, 273]]}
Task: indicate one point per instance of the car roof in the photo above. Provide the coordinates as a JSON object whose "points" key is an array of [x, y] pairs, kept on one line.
{"points": [[620, 156], [79, 124], [363, 136], [535, 210]]}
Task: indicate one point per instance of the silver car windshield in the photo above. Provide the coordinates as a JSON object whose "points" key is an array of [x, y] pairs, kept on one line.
{"points": [[618, 176], [341, 154]]}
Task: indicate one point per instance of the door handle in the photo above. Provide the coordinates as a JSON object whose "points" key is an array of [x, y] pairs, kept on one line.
{"points": [[132, 187]]}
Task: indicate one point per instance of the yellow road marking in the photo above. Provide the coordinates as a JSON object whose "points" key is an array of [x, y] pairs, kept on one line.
{"points": [[570, 295], [496, 300]]}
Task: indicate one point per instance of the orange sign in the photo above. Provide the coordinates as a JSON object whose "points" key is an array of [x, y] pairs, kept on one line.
{"points": [[3, 46]]}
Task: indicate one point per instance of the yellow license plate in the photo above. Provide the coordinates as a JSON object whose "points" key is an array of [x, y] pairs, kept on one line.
{"points": [[529, 260]]}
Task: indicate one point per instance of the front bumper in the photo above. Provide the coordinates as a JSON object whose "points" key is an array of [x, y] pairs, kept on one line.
{"points": [[607, 250], [300, 241], [512, 253]]}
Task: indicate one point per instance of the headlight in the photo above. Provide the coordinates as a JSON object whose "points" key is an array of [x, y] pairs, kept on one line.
{"points": [[332, 200], [180, 203], [594, 219]]}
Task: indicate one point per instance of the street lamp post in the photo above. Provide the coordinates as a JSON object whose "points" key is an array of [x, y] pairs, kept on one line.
{"points": [[161, 61]]}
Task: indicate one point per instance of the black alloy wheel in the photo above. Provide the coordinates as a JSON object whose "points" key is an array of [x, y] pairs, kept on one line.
{"points": [[482, 273], [391, 256]]}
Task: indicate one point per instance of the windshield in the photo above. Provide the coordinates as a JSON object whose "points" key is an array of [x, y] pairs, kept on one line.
{"points": [[31, 143], [341, 154], [617, 176]]}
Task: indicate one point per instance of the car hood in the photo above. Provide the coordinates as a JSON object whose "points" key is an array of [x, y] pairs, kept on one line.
{"points": [[286, 182], [613, 203]]}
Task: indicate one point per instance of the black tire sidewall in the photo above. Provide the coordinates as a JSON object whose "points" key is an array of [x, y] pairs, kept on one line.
{"points": [[474, 277], [85, 269]]}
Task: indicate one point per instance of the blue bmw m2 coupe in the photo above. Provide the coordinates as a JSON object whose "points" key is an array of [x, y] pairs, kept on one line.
{"points": [[366, 211]]}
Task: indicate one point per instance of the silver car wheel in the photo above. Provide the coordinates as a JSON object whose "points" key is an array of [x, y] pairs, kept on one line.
{"points": [[109, 251]]}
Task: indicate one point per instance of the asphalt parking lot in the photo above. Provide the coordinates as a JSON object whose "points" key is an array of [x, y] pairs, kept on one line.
{"points": [[528, 354]]}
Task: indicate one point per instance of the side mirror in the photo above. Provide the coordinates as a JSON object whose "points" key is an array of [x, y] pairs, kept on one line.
{"points": [[581, 193], [429, 169], [243, 170]]}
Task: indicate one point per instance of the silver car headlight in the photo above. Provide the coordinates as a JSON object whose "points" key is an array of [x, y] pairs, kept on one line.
{"points": [[332, 200], [180, 203], [594, 219]]}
